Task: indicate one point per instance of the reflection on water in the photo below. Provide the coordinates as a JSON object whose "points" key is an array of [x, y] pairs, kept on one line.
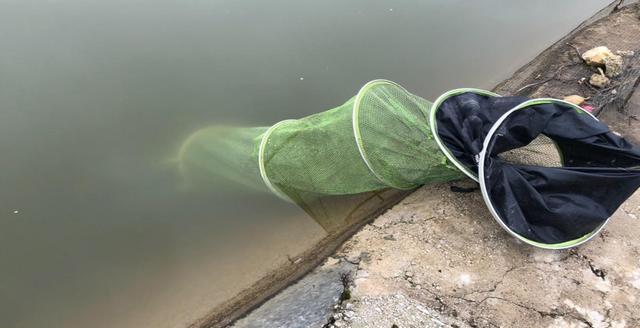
{"points": [[96, 227]]}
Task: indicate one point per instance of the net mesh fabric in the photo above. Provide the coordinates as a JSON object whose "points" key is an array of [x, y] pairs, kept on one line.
{"points": [[542, 151], [392, 128], [378, 139], [318, 154]]}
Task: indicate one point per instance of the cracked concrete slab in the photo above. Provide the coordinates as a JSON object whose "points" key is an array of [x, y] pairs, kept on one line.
{"points": [[449, 256], [307, 303]]}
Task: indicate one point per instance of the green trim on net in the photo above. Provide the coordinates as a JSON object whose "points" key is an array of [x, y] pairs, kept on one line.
{"points": [[434, 125], [261, 164], [483, 187]]}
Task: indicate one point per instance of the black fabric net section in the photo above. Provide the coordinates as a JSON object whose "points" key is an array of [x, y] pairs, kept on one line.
{"points": [[558, 204], [464, 120]]}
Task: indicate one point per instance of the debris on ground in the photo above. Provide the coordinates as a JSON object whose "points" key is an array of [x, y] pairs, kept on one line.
{"points": [[588, 108], [599, 80], [613, 65], [596, 56], [567, 66], [574, 99], [625, 53], [603, 57], [392, 311]]}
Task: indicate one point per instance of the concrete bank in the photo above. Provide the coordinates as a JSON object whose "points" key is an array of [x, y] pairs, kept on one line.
{"points": [[438, 259]]}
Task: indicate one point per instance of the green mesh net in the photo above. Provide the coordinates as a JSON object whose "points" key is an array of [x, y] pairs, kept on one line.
{"points": [[378, 139]]}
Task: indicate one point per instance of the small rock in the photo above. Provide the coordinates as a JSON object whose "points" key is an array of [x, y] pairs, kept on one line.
{"points": [[362, 274], [339, 324], [422, 309], [349, 314], [613, 65], [465, 279], [349, 306], [408, 274], [626, 53], [389, 237], [332, 261], [574, 99], [614, 92], [596, 55], [599, 80]]}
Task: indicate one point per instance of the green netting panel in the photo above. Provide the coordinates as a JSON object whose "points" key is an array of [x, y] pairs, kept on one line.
{"points": [[393, 135], [220, 154], [318, 154], [376, 140]]}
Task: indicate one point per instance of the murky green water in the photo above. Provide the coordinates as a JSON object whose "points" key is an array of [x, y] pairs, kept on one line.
{"points": [[96, 229]]}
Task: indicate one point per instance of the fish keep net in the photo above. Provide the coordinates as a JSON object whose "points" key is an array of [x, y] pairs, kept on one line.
{"points": [[378, 139]]}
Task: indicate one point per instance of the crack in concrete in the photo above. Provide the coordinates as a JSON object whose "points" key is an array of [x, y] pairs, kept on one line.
{"points": [[479, 303], [495, 286], [551, 314], [347, 281], [598, 272]]}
